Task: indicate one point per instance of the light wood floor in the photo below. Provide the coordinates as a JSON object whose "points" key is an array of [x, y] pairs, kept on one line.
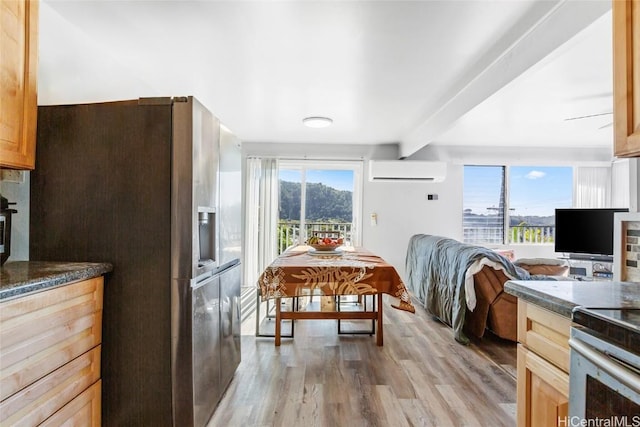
{"points": [[420, 377]]}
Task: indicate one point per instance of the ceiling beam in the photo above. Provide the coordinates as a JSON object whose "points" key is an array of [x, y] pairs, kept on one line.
{"points": [[546, 26]]}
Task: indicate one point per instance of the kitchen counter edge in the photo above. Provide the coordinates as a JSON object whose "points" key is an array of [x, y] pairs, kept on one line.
{"points": [[21, 278], [561, 297]]}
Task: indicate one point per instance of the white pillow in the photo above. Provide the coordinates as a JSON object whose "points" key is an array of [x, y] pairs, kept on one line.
{"points": [[540, 261]]}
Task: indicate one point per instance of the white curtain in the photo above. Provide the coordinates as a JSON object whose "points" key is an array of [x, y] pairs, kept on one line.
{"points": [[620, 189], [261, 219], [591, 187]]}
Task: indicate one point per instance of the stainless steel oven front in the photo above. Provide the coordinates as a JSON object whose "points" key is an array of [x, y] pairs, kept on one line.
{"points": [[604, 382]]}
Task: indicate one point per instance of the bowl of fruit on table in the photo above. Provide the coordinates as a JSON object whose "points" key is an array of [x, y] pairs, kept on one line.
{"points": [[324, 244]]}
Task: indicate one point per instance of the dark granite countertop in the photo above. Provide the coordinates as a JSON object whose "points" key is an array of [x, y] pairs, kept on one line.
{"points": [[562, 296], [18, 278]]}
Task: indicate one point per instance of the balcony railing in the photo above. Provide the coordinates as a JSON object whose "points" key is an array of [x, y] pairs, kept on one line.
{"points": [[532, 234], [518, 234], [289, 232], [483, 235]]}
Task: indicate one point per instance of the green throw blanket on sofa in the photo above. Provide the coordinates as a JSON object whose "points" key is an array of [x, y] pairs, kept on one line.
{"points": [[436, 268]]}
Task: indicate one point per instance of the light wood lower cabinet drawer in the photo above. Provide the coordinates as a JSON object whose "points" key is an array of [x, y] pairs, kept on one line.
{"points": [[50, 356], [41, 332], [545, 333], [37, 402], [83, 411]]}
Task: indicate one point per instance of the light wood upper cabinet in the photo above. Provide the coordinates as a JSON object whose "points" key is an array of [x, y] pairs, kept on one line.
{"points": [[18, 88], [626, 77]]}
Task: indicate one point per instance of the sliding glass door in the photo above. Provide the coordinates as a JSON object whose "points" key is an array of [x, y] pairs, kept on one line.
{"points": [[319, 197]]}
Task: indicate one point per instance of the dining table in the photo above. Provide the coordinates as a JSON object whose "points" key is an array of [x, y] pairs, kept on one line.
{"points": [[302, 270]]}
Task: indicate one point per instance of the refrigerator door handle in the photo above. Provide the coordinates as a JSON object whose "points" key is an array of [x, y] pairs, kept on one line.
{"points": [[202, 281]]}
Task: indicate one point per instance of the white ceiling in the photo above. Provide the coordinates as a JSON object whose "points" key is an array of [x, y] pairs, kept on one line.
{"points": [[574, 81], [407, 72]]}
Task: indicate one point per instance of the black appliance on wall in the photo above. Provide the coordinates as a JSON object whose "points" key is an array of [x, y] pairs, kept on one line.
{"points": [[138, 184], [5, 229]]}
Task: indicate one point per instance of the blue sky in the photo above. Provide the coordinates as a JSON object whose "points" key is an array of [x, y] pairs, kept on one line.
{"points": [[533, 190], [338, 179]]}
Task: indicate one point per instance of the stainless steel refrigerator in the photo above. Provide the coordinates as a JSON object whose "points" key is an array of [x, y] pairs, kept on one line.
{"points": [[153, 187]]}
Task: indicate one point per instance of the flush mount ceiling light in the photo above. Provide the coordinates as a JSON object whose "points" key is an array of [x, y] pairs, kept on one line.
{"points": [[317, 122]]}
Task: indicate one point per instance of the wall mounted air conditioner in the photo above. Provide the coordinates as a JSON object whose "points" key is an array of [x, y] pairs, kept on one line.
{"points": [[407, 171]]}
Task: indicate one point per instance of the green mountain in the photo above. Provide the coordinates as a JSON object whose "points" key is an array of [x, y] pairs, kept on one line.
{"points": [[324, 203]]}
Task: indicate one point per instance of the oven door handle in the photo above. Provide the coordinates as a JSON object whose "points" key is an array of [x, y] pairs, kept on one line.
{"points": [[615, 370]]}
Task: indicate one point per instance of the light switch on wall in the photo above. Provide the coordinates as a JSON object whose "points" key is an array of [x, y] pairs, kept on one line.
{"points": [[374, 219]]}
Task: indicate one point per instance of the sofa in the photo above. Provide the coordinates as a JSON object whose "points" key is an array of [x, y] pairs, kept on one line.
{"points": [[462, 285]]}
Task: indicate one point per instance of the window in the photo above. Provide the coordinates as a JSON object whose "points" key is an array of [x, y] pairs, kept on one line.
{"points": [[514, 204], [318, 197], [483, 204]]}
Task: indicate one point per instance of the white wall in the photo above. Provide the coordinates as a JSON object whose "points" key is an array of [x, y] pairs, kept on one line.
{"points": [[534, 156], [18, 193], [402, 208]]}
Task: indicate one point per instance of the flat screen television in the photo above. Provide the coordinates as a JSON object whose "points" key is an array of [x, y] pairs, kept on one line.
{"points": [[585, 233]]}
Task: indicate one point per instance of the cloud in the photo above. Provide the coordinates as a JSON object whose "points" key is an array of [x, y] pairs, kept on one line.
{"points": [[535, 175]]}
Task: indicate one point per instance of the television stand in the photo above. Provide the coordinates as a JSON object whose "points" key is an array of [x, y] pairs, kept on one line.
{"points": [[587, 257], [582, 278], [590, 267]]}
